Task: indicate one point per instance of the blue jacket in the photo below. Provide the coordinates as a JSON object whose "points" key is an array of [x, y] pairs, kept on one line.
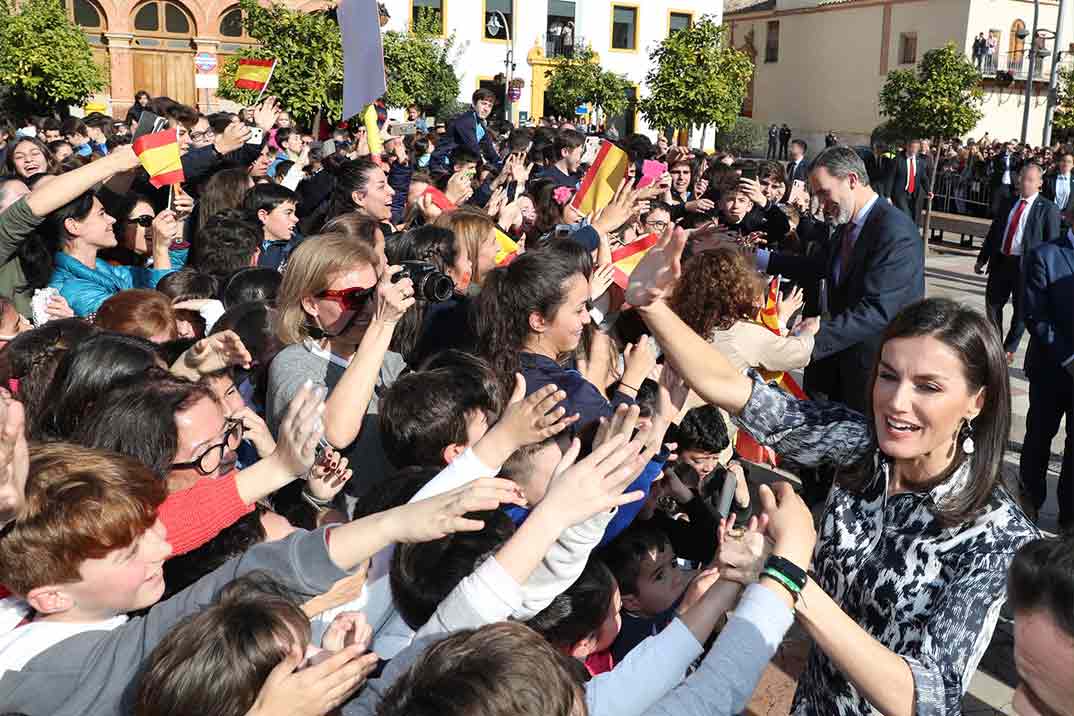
{"points": [[469, 131], [86, 289], [1049, 298], [582, 396]]}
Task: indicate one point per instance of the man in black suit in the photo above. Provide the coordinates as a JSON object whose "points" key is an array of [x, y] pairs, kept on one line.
{"points": [[773, 138], [873, 267], [784, 137], [1058, 186], [1049, 365], [1003, 172], [879, 166], [1024, 223], [797, 166], [908, 180]]}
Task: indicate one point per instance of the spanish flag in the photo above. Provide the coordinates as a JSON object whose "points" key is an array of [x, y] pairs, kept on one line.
{"points": [[626, 258], [602, 179], [745, 445], [253, 74], [159, 154], [372, 131]]}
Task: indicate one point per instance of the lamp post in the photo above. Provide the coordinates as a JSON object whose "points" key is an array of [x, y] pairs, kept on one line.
{"points": [[1029, 69], [1053, 99], [496, 21]]}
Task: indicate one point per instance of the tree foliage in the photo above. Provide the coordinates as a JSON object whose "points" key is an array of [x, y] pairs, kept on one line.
{"points": [[1064, 110], [419, 65], [695, 79], [45, 60], [577, 80], [745, 137], [939, 99], [309, 70]]}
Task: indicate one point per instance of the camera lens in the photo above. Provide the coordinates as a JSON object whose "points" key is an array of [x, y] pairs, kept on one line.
{"points": [[436, 287]]}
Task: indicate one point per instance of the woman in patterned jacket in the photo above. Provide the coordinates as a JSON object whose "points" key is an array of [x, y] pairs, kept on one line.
{"points": [[910, 564]]}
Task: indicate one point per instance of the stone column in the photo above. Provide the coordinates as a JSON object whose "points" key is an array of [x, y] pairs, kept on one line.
{"points": [[121, 69]]}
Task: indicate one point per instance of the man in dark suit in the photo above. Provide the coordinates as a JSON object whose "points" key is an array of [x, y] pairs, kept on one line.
{"points": [[879, 166], [773, 139], [908, 180], [784, 137], [1049, 365], [1058, 186], [797, 166], [1024, 223], [1003, 172], [873, 267]]}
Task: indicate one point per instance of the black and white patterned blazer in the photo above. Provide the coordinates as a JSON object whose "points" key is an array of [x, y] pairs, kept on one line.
{"points": [[931, 594]]}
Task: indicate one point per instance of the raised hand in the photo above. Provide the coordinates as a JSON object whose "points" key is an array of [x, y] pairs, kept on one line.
{"points": [[213, 353], [439, 516], [266, 113], [315, 690], [786, 307], [165, 227], [182, 203], [14, 458], [528, 420], [256, 431], [393, 299], [601, 280], [790, 523], [300, 431], [654, 277], [741, 555], [232, 138], [329, 475]]}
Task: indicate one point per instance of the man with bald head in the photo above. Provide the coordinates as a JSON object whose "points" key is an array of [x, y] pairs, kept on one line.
{"points": [[1022, 223]]}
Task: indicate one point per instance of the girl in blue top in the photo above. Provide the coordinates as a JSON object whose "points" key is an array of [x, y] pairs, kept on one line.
{"points": [[80, 229]]}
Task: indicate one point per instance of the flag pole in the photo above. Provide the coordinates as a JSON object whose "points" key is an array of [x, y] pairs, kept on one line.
{"points": [[267, 80]]}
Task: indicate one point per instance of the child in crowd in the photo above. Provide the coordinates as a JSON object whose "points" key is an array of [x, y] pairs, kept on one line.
{"points": [[274, 206]]}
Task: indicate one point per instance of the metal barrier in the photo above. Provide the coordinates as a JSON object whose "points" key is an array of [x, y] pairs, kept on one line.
{"points": [[956, 194]]}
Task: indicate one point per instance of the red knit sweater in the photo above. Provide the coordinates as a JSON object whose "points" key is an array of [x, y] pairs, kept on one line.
{"points": [[196, 515]]}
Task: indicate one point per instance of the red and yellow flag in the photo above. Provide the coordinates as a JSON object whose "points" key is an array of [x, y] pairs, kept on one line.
{"points": [[626, 258], [159, 154], [602, 179], [506, 248], [253, 74]]}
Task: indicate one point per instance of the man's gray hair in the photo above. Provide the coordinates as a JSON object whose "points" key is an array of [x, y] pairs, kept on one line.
{"points": [[841, 161]]}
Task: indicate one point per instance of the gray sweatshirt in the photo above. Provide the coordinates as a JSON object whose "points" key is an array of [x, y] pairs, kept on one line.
{"points": [[95, 670]]}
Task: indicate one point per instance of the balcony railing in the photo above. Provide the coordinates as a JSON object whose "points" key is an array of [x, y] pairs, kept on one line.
{"points": [[563, 44], [1018, 65]]}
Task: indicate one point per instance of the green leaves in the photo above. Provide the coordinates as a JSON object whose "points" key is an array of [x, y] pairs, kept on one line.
{"points": [[309, 72], [45, 60], [579, 80], [939, 99], [1064, 111], [696, 79]]}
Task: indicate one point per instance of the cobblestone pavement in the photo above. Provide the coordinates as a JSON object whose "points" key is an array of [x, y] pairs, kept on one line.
{"points": [[948, 274]]}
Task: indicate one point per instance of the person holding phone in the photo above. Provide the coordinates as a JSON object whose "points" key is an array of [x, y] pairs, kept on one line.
{"points": [[744, 210]]}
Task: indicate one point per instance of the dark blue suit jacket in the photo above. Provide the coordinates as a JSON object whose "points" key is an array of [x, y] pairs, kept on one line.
{"points": [[886, 273], [463, 130], [1049, 309]]}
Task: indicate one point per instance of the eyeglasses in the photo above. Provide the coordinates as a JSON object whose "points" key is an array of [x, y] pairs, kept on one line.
{"points": [[209, 461], [351, 299], [199, 136], [656, 225], [145, 221]]}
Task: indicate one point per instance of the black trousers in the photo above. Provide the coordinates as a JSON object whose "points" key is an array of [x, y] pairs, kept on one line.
{"points": [[771, 148], [1000, 194], [1005, 284], [1051, 397], [906, 203], [783, 143]]}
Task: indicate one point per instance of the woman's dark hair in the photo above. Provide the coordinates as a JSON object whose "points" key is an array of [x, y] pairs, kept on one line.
{"points": [[182, 570], [254, 322], [50, 158], [581, 256], [717, 289], [119, 207], [549, 213], [216, 661], [1041, 577], [36, 254], [971, 337], [87, 371], [137, 418], [534, 282], [32, 357], [435, 244], [253, 283], [580, 610], [187, 283], [226, 189], [351, 176]]}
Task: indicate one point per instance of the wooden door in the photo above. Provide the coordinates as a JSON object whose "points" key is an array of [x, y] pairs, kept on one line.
{"points": [[169, 74]]}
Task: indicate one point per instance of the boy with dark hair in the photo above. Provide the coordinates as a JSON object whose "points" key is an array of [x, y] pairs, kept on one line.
{"points": [[745, 210], [651, 583], [99, 127], [77, 135], [274, 206], [470, 130], [51, 130], [567, 149], [227, 243]]}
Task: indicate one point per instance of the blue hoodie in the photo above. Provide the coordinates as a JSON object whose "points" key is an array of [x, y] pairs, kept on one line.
{"points": [[87, 288]]}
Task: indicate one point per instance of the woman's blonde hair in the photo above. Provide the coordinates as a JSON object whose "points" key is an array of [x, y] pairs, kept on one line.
{"points": [[311, 269], [471, 229]]}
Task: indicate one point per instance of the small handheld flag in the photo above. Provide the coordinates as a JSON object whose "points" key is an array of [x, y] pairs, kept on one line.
{"points": [[626, 258], [506, 248], [602, 179], [158, 153], [254, 74]]}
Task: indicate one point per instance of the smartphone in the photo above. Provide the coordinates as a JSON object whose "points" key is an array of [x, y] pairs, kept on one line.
{"points": [[257, 136], [562, 231], [147, 123], [749, 171]]}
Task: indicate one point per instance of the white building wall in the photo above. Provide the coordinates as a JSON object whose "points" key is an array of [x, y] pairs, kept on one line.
{"points": [[480, 59]]}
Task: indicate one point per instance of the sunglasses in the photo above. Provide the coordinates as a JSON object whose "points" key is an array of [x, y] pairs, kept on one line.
{"points": [[350, 299], [144, 221]]}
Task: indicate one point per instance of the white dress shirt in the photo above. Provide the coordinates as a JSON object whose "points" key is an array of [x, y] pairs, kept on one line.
{"points": [[1007, 169], [1062, 190], [911, 170], [1016, 244]]}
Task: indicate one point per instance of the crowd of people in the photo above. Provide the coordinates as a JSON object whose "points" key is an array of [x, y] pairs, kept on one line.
{"points": [[327, 430]]}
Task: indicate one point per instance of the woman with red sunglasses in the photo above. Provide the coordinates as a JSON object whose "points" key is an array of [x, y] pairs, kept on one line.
{"points": [[337, 310]]}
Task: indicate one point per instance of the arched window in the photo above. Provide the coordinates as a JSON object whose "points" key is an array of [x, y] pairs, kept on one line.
{"points": [[89, 16], [233, 31], [1017, 46], [161, 23]]}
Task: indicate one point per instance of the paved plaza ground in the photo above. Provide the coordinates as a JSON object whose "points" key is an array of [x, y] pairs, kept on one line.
{"points": [[949, 273]]}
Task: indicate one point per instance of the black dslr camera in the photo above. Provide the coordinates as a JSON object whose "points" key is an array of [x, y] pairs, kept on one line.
{"points": [[430, 284]]}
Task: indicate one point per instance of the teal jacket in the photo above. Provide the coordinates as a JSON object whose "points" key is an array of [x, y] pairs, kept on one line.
{"points": [[86, 289]]}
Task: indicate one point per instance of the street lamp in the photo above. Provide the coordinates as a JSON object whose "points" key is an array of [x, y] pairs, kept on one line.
{"points": [[1053, 98], [1029, 70], [498, 21]]}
